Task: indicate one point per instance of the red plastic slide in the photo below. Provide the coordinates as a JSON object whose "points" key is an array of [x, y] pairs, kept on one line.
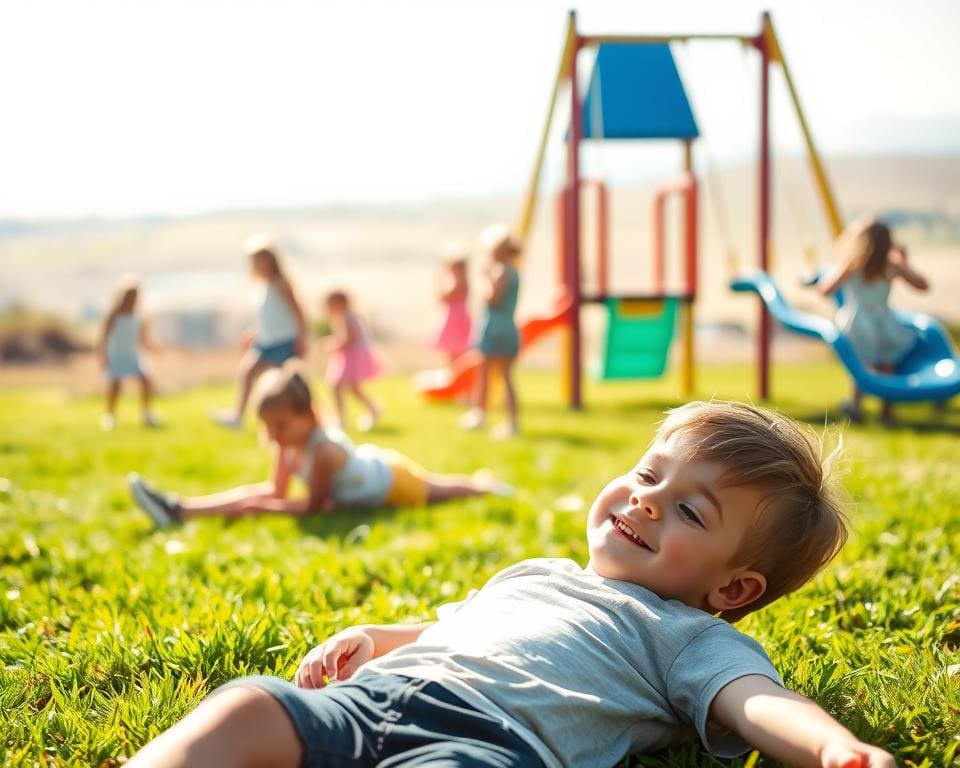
{"points": [[448, 383]]}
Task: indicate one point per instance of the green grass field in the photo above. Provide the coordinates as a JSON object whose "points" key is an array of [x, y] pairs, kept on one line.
{"points": [[110, 631]]}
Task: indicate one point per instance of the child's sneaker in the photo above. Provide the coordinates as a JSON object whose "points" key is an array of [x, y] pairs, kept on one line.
{"points": [[108, 422], [162, 508], [149, 420], [504, 431], [226, 419], [367, 421], [472, 419]]}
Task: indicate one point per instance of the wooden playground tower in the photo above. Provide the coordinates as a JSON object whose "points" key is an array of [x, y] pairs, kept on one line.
{"points": [[569, 204]]}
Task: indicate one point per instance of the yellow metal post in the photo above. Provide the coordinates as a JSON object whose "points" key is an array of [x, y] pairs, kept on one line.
{"points": [[819, 174], [525, 220], [688, 361]]}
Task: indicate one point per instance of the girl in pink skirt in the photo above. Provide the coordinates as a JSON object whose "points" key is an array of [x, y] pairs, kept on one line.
{"points": [[454, 337], [351, 359]]}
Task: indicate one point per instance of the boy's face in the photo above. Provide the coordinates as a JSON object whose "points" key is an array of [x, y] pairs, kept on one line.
{"points": [[668, 525]]}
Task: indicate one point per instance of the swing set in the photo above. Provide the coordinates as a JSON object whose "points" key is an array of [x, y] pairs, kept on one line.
{"points": [[635, 92]]}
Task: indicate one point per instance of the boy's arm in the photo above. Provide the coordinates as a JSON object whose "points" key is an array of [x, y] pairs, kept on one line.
{"points": [[791, 728], [340, 656]]}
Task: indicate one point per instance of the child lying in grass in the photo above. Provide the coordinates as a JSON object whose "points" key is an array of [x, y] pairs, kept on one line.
{"points": [[550, 664], [337, 473]]}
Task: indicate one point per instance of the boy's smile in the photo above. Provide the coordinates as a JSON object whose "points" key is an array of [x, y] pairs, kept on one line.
{"points": [[672, 526], [627, 532]]}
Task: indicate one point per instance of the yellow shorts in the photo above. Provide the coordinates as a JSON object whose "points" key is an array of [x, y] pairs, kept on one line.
{"points": [[409, 486]]}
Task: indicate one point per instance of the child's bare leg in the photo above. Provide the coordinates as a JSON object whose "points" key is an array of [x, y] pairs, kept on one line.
{"points": [[251, 366], [242, 726], [339, 402], [480, 398], [146, 392], [851, 407], [510, 393], [474, 418], [886, 411], [230, 503], [373, 411], [113, 391], [446, 487], [364, 398]]}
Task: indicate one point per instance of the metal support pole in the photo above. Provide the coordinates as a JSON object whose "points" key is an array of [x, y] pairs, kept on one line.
{"points": [[573, 224], [763, 335]]}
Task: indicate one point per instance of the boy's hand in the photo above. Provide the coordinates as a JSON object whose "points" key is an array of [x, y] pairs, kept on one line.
{"points": [[855, 754], [336, 659]]}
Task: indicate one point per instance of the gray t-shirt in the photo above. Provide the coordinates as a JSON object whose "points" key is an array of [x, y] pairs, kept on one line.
{"points": [[583, 668]]}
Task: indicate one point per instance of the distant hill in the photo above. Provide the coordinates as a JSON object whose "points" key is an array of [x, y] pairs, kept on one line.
{"points": [[387, 254]]}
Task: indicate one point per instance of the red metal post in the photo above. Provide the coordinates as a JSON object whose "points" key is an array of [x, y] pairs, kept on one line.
{"points": [[560, 221], [573, 225], [659, 246], [763, 335], [690, 235], [603, 239]]}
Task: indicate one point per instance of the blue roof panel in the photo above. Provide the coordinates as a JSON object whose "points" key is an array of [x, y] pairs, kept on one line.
{"points": [[636, 93]]}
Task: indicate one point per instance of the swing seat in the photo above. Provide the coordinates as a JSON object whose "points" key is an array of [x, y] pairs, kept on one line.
{"points": [[638, 338]]}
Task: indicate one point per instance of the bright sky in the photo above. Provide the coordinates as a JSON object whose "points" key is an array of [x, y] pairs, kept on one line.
{"points": [[115, 107]]}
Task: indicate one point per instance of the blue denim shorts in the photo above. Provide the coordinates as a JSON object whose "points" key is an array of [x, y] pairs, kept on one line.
{"points": [[276, 354], [390, 721]]}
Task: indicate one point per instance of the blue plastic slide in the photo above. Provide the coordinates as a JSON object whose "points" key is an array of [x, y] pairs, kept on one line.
{"points": [[931, 371]]}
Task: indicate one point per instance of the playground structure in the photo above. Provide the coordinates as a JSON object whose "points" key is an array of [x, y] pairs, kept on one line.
{"points": [[654, 94], [635, 92]]}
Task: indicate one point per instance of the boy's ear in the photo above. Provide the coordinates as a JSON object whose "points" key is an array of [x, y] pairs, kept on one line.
{"points": [[742, 589]]}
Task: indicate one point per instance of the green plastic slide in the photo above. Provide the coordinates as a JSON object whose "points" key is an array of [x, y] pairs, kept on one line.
{"points": [[638, 338]]}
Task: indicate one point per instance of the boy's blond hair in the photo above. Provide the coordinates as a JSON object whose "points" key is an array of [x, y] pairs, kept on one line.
{"points": [[800, 524]]}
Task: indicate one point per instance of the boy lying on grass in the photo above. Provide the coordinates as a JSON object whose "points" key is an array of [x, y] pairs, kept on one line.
{"points": [[550, 664]]}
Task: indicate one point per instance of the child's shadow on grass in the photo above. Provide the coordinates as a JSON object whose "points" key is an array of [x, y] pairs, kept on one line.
{"points": [[345, 523], [571, 437], [936, 422], [379, 431]]}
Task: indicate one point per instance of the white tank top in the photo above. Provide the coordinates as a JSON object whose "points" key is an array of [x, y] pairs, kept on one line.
{"points": [[362, 482], [124, 337], [276, 322]]}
